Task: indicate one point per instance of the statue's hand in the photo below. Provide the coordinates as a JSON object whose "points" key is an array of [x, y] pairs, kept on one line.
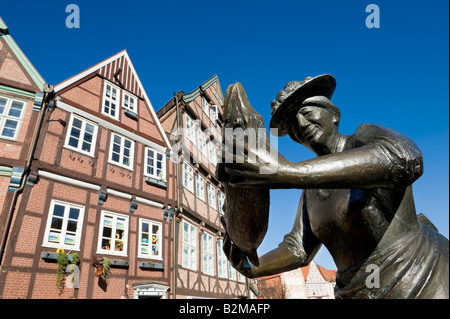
{"points": [[258, 169]]}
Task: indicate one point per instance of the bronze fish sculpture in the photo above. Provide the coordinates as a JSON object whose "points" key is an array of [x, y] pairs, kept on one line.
{"points": [[246, 210]]}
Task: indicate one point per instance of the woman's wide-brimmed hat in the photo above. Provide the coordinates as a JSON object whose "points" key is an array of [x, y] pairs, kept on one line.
{"points": [[290, 100]]}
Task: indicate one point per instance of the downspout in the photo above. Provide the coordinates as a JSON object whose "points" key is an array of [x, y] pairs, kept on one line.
{"points": [[175, 234], [48, 90]]}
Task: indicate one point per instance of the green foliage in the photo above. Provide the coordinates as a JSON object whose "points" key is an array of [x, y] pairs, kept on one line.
{"points": [[62, 264], [106, 269]]}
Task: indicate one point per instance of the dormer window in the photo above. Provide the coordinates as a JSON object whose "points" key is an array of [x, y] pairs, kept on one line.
{"points": [[129, 102], [111, 100]]}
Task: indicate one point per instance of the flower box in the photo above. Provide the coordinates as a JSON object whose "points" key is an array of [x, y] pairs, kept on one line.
{"points": [[147, 265]]}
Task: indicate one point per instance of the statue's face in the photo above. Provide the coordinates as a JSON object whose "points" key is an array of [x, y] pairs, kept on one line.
{"points": [[315, 127]]}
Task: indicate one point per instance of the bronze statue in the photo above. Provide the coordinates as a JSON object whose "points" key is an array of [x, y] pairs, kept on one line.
{"points": [[357, 201]]}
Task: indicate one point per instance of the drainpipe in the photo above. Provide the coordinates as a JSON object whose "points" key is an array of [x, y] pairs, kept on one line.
{"points": [[175, 234], [48, 92]]}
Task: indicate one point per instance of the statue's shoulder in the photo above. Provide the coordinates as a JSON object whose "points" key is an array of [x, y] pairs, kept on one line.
{"points": [[368, 132]]}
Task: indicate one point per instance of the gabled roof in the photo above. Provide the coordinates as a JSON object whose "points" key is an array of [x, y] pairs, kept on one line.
{"points": [[30, 69], [203, 87], [117, 69], [328, 275]]}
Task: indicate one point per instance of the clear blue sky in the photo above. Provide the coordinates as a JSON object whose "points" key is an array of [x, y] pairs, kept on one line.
{"points": [[396, 76]]}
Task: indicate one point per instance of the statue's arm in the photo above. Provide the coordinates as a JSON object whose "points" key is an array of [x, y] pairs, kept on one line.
{"points": [[381, 158], [297, 249]]}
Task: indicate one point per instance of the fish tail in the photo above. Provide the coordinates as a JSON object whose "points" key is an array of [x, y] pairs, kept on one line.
{"points": [[252, 256]]}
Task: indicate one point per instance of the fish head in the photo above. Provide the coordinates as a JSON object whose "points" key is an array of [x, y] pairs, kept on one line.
{"points": [[238, 112]]}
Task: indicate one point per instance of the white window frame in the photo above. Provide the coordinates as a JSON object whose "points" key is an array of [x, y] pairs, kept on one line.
{"points": [[162, 174], [202, 143], [208, 253], [130, 97], [65, 220], [190, 129], [213, 114], [188, 177], [79, 148], [205, 105], [189, 245], [109, 99], [212, 196], [121, 154], [221, 200], [114, 228], [212, 153], [143, 244], [4, 117], [222, 261], [200, 186], [231, 272]]}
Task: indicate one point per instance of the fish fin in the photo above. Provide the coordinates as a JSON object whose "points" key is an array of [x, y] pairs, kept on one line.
{"points": [[424, 220], [252, 256]]}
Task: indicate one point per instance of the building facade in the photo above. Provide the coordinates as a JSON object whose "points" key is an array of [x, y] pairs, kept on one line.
{"points": [[101, 179], [309, 282], [194, 121]]}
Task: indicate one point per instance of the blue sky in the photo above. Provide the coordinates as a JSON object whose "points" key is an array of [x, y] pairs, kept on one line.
{"points": [[396, 75]]}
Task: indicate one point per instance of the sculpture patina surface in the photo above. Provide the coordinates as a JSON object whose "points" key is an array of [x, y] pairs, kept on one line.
{"points": [[357, 201], [246, 210]]}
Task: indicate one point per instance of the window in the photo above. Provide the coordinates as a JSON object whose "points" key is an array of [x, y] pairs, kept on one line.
{"points": [[222, 260], [11, 115], [150, 242], [200, 186], [110, 100], [231, 272], [155, 165], [212, 195], [188, 177], [129, 102], [241, 277], [113, 234], [189, 258], [64, 225], [212, 153], [121, 151], [81, 135], [221, 198], [202, 143], [213, 114], [208, 254], [190, 129], [205, 106], [217, 96]]}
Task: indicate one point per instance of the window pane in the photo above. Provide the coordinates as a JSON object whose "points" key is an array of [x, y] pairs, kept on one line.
{"points": [[86, 147], [54, 237], [107, 232], [115, 157], [73, 142], [106, 244], [2, 105], [56, 223], [72, 226], [145, 228], [10, 128], [77, 123], [58, 210], [74, 213], [16, 109]]}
